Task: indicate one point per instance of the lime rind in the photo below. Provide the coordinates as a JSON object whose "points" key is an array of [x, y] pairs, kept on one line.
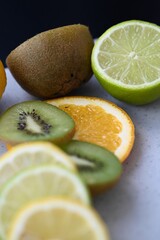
{"points": [[132, 95], [127, 66]]}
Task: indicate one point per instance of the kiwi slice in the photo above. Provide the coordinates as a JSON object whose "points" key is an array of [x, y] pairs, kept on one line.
{"points": [[33, 121], [99, 167]]}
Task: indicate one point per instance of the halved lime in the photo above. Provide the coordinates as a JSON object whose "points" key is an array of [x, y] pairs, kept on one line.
{"points": [[36, 183], [126, 61]]}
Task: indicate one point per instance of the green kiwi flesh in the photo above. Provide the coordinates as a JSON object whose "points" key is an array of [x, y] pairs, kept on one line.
{"points": [[33, 121], [99, 167]]}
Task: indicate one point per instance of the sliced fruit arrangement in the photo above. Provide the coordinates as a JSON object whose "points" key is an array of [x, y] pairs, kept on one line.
{"points": [[100, 122], [58, 218], [35, 183], [29, 154], [3, 79], [125, 59], [36, 170], [99, 167], [46, 189], [54, 62], [35, 120]]}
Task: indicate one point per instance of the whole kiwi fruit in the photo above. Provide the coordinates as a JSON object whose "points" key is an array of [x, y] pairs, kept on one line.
{"points": [[54, 62]]}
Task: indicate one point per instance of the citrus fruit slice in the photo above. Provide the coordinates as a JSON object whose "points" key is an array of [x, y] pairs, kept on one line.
{"points": [[38, 182], [3, 79], [31, 154], [58, 219], [101, 122], [126, 60]]}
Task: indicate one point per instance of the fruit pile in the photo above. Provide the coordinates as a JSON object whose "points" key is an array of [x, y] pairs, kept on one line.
{"points": [[28, 127], [62, 150], [41, 180], [35, 171]]}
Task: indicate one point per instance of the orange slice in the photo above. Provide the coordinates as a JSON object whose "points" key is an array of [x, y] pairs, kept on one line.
{"points": [[3, 79], [101, 122]]}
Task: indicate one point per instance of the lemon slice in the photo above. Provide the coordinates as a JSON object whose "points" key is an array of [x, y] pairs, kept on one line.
{"points": [[126, 61], [58, 219], [37, 182], [31, 154], [100, 122]]}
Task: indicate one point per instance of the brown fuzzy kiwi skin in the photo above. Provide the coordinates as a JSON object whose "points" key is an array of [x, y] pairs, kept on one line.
{"points": [[54, 62]]}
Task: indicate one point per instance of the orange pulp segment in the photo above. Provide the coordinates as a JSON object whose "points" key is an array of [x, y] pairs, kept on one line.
{"points": [[90, 128], [101, 122]]}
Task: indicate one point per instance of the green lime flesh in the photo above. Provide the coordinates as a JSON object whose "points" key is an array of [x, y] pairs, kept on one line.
{"points": [[126, 61], [98, 166], [36, 183], [33, 121]]}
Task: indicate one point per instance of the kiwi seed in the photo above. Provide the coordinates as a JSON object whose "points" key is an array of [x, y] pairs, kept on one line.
{"points": [[22, 124]]}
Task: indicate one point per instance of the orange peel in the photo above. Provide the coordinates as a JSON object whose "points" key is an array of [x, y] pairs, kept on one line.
{"points": [[101, 122]]}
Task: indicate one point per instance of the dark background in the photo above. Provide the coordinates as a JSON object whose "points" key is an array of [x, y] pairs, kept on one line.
{"points": [[20, 20]]}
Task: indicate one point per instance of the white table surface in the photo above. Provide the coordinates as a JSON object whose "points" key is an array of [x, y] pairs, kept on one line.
{"points": [[132, 208]]}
